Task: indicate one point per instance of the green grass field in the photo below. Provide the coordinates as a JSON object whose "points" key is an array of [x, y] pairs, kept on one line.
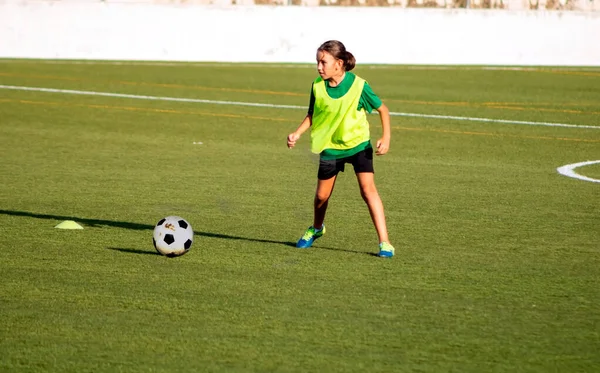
{"points": [[498, 255]]}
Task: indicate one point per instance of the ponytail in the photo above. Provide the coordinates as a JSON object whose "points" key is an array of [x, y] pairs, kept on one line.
{"points": [[338, 50]]}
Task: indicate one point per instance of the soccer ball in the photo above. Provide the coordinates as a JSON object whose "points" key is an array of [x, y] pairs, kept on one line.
{"points": [[173, 236]]}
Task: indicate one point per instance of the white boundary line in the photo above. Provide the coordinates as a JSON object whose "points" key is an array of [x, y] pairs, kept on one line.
{"points": [[548, 68], [567, 170], [155, 98], [256, 104]]}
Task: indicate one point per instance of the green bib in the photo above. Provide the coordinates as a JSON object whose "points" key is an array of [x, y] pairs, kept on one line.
{"points": [[336, 124]]}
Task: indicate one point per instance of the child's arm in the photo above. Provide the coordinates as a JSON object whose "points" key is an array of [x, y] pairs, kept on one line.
{"points": [[294, 136], [383, 144]]}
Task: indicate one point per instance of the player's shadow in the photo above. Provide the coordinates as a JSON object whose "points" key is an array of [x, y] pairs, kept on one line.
{"points": [[137, 226]]}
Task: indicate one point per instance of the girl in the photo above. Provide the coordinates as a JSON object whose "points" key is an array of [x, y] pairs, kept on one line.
{"points": [[337, 118]]}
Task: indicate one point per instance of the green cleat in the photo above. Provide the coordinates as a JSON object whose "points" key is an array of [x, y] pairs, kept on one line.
{"points": [[386, 250], [309, 237]]}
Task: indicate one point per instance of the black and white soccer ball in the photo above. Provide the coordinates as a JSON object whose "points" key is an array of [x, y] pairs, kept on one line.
{"points": [[173, 236]]}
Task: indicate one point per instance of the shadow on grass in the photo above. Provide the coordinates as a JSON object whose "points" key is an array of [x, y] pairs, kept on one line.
{"points": [[97, 223], [342, 250], [134, 251]]}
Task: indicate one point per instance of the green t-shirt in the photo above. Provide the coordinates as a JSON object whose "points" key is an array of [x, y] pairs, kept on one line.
{"points": [[368, 101]]}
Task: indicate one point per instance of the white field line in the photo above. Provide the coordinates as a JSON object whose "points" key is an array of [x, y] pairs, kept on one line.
{"points": [[568, 170], [303, 65], [155, 98], [277, 106]]}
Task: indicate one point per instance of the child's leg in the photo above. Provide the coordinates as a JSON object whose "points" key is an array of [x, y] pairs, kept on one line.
{"points": [[368, 191], [324, 190]]}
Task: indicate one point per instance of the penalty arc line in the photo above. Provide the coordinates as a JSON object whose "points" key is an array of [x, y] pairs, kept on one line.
{"points": [[278, 106], [567, 170]]}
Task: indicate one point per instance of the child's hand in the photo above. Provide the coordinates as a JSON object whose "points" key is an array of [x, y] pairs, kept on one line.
{"points": [[291, 139], [383, 145]]}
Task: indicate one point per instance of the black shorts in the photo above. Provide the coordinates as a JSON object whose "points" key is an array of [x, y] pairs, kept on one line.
{"points": [[362, 162]]}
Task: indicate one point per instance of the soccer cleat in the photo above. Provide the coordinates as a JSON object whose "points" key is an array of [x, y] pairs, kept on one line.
{"points": [[309, 237], [386, 250]]}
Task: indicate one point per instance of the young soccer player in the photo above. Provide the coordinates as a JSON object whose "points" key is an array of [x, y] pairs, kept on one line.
{"points": [[337, 118]]}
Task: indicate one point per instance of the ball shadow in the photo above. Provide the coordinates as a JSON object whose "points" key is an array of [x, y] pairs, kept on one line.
{"points": [[133, 251]]}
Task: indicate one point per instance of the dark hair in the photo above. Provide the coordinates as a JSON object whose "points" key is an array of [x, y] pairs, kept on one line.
{"points": [[338, 50]]}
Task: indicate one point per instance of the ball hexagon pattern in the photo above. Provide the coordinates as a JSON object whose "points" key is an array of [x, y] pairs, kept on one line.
{"points": [[173, 236]]}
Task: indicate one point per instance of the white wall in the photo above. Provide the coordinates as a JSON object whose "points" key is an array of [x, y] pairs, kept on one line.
{"points": [[142, 31]]}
